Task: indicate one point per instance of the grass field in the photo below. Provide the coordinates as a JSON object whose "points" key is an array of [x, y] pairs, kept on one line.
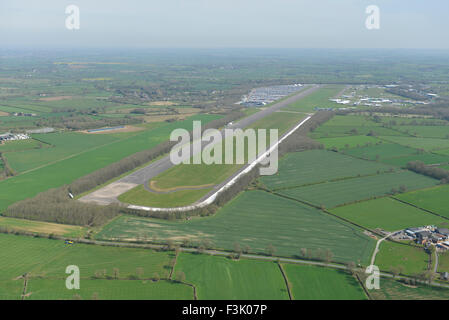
{"points": [[387, 214], [49, 258], [443, 262], [51, 289], [427, 158], [140, 196], [21, 145], [223, 279], [319, 98], [381, 151], [410, 259], [317, 283], [244, 220], [428, 144], [439, 132], [332, 194], [351, 125], [56, 174], [340, 143], [433, 199], [42, 227], [300, 168], [394, 290]]}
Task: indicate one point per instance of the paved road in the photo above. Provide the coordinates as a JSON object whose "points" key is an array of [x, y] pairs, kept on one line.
{"points": [[109, 193]]}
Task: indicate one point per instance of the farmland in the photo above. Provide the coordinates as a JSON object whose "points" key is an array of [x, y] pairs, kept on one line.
{"points": [[42, 227], [308, 167], [394, 290], [332, 194], [221, 278], [428, 144], [433, 199], [50, 289], [244, 219], [406, 259], [56, 174], [387, 214], [317, 283]]}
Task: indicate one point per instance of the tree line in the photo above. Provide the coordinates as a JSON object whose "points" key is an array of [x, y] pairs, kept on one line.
{"points": [[430, 171]]}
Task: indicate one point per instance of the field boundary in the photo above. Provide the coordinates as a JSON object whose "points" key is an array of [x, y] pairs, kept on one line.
{"points": [[287, 283]]}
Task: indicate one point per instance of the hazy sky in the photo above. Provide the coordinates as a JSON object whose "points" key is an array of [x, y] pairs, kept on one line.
{"points": [[225, 23]]}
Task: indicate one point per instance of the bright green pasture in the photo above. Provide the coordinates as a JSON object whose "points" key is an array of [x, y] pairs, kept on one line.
{"points": [[411, 260], [381, 151], [55, 289], [441, 132], [20, 145], [427, 158], [319, 98], [255, 219], [428, 144], [347, 142], [49, 258], [62, 145], [221, 278], [140, 196], [317, 283], [387, 214], [336, 193], [433, 199], [300, 168], [65, 171]]}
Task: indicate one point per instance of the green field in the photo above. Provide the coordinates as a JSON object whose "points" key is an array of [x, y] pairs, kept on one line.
{"points": [[410, 260], [428, 144], [140, 196], [51, 289], [351, 125], [317, 283], [440, 132], [223, 279], [443, 262], [340, 143], [387, 214], [21, 145], [394, 290], [427, 158], [49, 258], [308, 167], [66, 170], [332, 194], [433, 199], [319, 98], [42, 227], [381, 151], [255, 219]]}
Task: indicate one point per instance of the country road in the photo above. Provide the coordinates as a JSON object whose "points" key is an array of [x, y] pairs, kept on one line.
{"points": [[376, 250], [109, 193], [255, 257]]}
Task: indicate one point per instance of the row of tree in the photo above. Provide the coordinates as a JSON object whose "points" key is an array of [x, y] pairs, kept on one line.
{"points": [[430, 171]]}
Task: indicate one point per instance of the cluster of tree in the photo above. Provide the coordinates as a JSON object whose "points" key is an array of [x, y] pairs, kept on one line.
{"points": [[55, 205], [83, 122], [430, 171], [406, 93], [7, 171]]}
